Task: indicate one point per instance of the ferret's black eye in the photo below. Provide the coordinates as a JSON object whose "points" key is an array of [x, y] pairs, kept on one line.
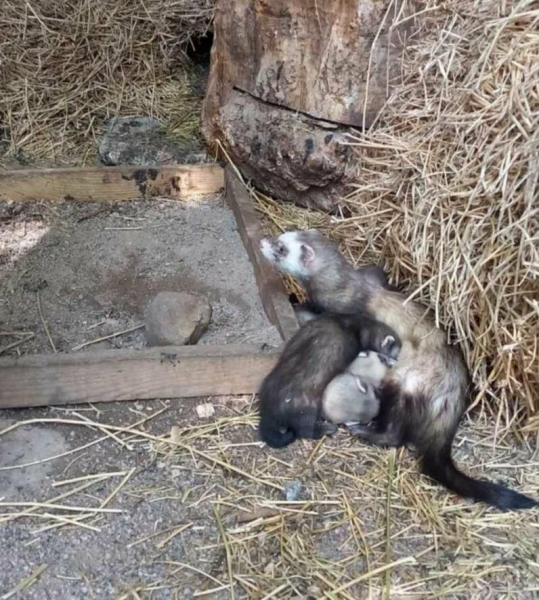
{"points": [[281, 248]]}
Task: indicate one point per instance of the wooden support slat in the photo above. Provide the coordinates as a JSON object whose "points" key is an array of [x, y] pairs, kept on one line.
{"points": [[111, 375], [270, 286], [111, 183]]}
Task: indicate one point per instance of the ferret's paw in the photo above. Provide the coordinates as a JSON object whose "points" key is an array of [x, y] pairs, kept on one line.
{"points": [[358, 428], [387, 360], [326, 428]]}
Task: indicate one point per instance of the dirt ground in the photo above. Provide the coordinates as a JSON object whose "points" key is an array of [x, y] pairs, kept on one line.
{"points": [[92, 268], [159, 496]]}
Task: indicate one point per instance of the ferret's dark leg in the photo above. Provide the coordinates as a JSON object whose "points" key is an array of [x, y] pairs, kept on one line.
{"points": [[392, 436], [308, 425], [323, 428], [311, 307], [376, 274], [303, 315], [389, 427], [306, 311]]}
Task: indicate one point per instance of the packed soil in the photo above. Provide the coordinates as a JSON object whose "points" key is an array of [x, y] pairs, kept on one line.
{"points": [[84, 271]]}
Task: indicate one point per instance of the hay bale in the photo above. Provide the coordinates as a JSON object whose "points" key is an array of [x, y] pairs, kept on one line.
{"points": [[67, 65], [448, 193], [448, 190]]}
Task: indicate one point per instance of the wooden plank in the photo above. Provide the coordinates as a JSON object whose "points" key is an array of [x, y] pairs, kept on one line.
{"points": [[111, 183], [112, 375], [270, 286]]}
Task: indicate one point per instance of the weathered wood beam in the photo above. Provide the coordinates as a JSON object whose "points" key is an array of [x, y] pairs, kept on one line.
{"points": [[270, 286], [112, 375], [111, 183]]}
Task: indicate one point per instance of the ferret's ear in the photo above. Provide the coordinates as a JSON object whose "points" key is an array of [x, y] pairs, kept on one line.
{"points": [[307, 254], [361, 385]]}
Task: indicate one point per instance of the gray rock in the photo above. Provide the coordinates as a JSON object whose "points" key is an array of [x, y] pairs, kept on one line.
{"points": [[292, 490], [142, 141], [176, 318]]}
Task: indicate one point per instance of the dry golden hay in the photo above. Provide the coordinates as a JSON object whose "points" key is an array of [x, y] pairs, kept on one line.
{"points": [[448, 194], [67, 65]]}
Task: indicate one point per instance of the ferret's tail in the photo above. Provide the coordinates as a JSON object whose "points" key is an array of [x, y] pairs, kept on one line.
{"points": [[438, 464]]}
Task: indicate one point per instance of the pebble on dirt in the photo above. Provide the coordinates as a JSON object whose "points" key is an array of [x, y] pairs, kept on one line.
{"points": [[292, 490], [205, 411], [176, 319]]}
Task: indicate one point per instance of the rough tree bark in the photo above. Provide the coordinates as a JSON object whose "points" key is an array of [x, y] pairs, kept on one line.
{"points": [[288, 80]]}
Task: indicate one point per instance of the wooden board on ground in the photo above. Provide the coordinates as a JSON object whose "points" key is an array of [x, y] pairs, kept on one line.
{"points": [[111, 183], [112, 375], [272, 292]]}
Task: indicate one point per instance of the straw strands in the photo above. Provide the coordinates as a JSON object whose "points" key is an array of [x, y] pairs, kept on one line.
{"points": [[453, 173], [447, 199], [67, 65]]}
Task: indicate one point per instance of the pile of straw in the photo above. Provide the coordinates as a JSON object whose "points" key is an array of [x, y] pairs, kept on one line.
{"points": [[448, 194], [67, 65], [448, 191]]}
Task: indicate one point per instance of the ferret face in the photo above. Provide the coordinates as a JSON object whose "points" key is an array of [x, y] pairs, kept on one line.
{"points": [[292, 252], [350, 399], [288, 253], [371, 366]]}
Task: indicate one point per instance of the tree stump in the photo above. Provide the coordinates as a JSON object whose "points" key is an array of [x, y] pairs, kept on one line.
{"points": [[288, 81]]}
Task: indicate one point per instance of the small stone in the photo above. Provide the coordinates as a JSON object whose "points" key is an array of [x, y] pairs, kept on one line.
{"points": [[292, 490], [205, 411], [175, 434], [176, 319]]}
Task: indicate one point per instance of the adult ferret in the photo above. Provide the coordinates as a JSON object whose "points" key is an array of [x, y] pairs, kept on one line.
{"points": [[290, 397], [423, 397]]}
